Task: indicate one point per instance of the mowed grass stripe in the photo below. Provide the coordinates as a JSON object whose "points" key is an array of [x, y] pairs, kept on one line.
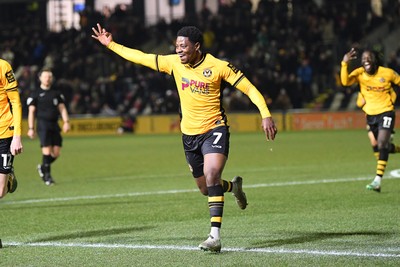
{"points": [[135, 194]]}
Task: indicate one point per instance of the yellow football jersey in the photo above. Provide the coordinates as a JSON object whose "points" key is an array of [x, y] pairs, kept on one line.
{"points": [[11, 119], [376, 89], [199, 86]]}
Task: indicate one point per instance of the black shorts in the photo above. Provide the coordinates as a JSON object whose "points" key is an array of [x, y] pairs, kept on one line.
{"points": [[196, 146], [50, 138], [7, 158], [49, 133], [383, 121]]}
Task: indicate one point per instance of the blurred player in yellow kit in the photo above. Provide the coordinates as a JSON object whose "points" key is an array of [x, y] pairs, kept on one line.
{"points": [[10, 127], [375, 84]]}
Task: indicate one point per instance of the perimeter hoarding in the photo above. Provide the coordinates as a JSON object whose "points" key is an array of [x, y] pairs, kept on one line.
{"points": [[239, 122]]}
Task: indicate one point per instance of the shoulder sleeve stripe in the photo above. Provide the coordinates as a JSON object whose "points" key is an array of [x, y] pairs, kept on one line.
{"points": [[238, 81], [157, 68], [12, 89]]}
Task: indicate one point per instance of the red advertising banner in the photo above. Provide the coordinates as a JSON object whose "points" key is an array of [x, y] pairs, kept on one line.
{"points": [[329, 120]]}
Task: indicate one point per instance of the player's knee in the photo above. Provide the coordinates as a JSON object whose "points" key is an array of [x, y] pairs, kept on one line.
{"points": [[383, 145], [203, 191], [203, 188], [213, 175], [201, 184]]}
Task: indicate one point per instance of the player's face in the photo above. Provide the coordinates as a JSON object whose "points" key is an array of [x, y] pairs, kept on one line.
{"points": [[368, 61], [187, 51], [46, 78]]}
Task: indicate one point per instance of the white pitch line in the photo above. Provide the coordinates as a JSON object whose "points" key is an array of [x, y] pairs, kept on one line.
{"points": [[164, 192], [133, 194], [170, 247], [323, 181]]}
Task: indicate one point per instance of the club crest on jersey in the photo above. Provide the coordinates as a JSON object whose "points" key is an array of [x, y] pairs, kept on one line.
{"points": [[382, 80], [207, 73], [198, 87]]}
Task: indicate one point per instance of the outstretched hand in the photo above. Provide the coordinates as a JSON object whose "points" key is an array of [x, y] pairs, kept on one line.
{"points": [[352, 54], [269, 128], [101, 35]]}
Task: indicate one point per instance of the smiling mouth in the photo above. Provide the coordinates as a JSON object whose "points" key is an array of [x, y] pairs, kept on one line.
{"points": [[367, 65], [182, 58]]}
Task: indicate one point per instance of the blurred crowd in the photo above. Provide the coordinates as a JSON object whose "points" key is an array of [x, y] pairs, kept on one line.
{"points": [[290, 50]]}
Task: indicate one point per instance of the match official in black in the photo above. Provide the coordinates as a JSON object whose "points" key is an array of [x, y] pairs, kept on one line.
{"points": [[46, 104]]}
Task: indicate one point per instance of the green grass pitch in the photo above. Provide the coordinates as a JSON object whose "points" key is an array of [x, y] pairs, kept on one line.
{"points": [[130, 201]]}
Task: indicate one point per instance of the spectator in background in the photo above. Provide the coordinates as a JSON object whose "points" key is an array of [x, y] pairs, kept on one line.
{"points": [[283, 102], [301, 29], [128, 124], [7, 54], [394, 61], [305, 78]]}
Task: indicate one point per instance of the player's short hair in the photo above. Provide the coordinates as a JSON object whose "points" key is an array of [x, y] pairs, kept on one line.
{"points": [[191, 32], [45, 69]]}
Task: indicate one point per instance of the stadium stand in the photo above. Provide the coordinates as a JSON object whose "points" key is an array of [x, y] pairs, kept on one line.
{"points": [[269, 45]]}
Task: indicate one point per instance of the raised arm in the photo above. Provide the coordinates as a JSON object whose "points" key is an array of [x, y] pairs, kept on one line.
{"points": [[131, 54], [344, 73]]}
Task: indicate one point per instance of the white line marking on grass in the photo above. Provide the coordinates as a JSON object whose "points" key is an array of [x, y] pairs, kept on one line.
{"points": [[323, 181], [169, 247], [164, 192], [395, 173], [134, 194]]}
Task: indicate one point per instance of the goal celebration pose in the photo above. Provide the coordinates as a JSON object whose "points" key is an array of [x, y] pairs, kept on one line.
{"points": [[375, 83], [205, 132]]}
